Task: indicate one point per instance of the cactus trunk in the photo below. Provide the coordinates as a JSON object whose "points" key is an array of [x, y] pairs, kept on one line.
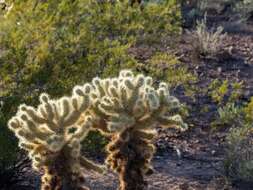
{"points": [[128, 160], [131, 176], [59, 175]]}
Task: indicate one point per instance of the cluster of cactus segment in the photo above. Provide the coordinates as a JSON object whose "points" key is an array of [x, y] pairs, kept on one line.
{"points": [[52, 134], [127, 108]]}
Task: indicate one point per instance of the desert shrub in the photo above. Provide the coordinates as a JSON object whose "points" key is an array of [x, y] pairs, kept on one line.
{"points": [[206, 42], [238, 10], [193, 10], [52, 45], [228, 115], [126, 23], [48, 46], [248, 110], [239, 154], [223, 92], [226, 95], [215, 6]]}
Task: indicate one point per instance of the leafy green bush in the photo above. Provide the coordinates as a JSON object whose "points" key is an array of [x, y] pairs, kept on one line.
{"points": [[50, 46], [126, 23]]}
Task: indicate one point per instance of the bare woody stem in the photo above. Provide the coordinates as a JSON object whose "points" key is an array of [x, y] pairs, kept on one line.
{"points": [[58, 175]]}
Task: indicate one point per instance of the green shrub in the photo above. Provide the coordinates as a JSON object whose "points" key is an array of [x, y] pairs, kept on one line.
{"points": [[223, 92], [228, 115], [248, 110], [226, 95], [50, 46], [239, 154], [125, 23]]}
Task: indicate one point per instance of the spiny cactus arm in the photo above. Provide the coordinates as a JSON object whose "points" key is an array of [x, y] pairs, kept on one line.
{"points": [[173, 122], [127, 100], [163, 105], [89, 165], [78, 105], [25, 130], [95, 92], [50, 121]]}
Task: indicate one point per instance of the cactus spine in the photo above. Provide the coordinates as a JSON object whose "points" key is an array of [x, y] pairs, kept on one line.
{"points": [[129, 108], [52, 134]]}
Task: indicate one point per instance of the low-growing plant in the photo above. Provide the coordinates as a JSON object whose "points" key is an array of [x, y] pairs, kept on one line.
{"points": [[226, 96], [223, 92], [248, 110], [128, 108], [207, 42], [229, 115], [52, 136], [218, 90], [239, 155]]}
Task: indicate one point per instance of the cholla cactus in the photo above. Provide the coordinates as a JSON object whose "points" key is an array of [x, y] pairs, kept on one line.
{"points": [[129, 108], [52, 134]]}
